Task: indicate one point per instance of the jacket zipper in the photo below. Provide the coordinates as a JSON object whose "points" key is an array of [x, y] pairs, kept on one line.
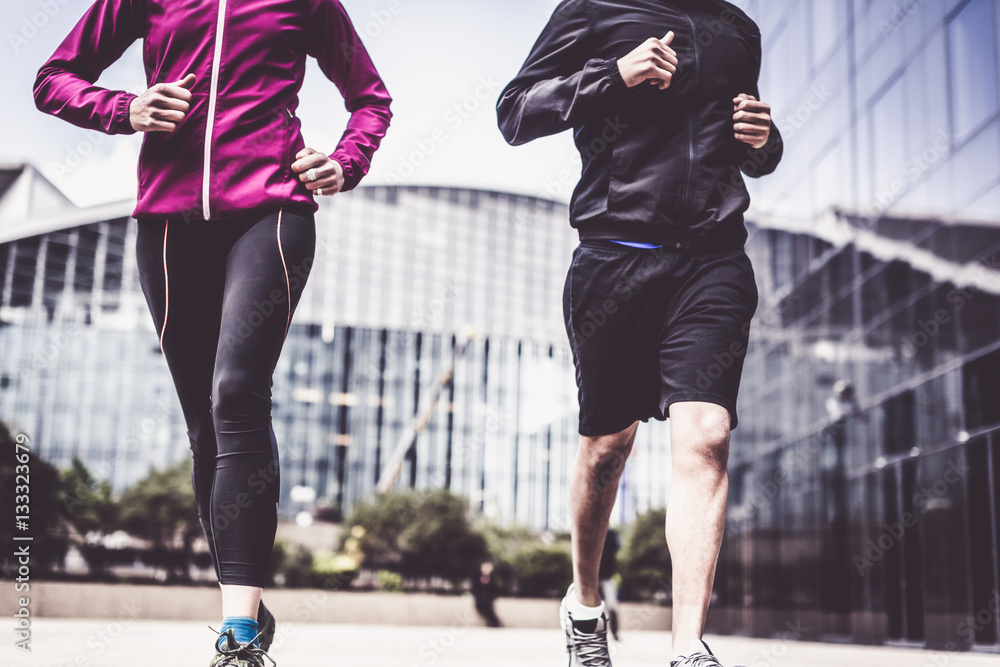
{"points": [[220, 29], [691, 154]]}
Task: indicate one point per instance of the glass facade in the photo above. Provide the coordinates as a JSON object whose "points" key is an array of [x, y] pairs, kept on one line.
{"points": [[399, 273], [866, 469]]}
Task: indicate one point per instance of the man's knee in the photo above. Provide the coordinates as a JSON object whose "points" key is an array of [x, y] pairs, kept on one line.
{"points": [[701, 441], [607, 451]]}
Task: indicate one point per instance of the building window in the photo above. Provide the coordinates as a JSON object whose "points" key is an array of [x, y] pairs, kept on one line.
{"points": [[899, 432], [973, 62], [981, 380], [25, 260]]}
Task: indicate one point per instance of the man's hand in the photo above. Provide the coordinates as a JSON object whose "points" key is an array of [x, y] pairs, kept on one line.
{"points": [[751, 120], [162, 107], [652, 61], [321, 175]]}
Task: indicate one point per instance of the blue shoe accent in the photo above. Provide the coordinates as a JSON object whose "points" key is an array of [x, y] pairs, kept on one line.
{"points": [[244, 629]]}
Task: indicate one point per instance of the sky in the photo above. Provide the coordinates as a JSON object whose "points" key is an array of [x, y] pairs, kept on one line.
{"points": [[444, 62]]}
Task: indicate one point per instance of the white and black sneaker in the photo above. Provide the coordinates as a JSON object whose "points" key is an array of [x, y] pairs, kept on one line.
{"points": [[586, 641], [700, 656]]}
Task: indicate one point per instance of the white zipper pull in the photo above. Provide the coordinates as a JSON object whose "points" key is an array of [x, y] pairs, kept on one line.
{"points": [[213, 95]]}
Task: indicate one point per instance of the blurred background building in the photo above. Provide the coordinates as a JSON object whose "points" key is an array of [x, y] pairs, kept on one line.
{"points": [[399, 273], [865, 475]]}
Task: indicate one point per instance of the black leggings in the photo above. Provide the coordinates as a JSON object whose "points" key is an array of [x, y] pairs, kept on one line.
{"points": [[222, 294]]}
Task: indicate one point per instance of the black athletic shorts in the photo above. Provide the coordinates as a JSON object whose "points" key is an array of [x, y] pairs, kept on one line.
{"points": [[650, 328]]}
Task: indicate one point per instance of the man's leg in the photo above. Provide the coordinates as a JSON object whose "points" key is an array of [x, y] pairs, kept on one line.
{"points": [[594, 483], [696, 512]]}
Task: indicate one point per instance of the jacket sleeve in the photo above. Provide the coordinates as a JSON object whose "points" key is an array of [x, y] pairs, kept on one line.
{"points": [[766, 158], [558, 86], [343, 58], [64, 86]]}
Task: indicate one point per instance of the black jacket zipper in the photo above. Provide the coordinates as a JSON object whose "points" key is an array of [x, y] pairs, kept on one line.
{"points": [[686, 198]]}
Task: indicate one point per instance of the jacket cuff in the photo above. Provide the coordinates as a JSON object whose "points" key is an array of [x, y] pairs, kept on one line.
{"points": [[614, 75], [351, 174], [121, 123]]}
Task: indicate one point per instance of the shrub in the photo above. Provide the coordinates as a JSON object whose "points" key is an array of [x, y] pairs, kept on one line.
{"points": [[292, 567], [418, 535], [335, 571], [542, 571], [389, 581], [645, 560]]}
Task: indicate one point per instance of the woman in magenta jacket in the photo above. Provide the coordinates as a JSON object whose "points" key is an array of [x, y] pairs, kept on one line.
{"points": [[226, 238]]}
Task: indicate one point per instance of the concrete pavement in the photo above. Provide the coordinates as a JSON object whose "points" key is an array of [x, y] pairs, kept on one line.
{"points": [[141, 643]]}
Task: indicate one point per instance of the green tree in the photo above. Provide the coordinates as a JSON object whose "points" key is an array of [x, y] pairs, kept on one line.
{"points": [[161, 508], [645, 561], [419, 535], [21, 470], [90, 509]]}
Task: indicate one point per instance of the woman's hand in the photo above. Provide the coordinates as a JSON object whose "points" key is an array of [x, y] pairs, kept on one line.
{"points": [[162, 107], [321, 175]]}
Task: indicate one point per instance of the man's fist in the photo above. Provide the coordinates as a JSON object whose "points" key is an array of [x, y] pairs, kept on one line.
{"points": [[162, 107], [321, 175], [652, 61], [751, 120]]}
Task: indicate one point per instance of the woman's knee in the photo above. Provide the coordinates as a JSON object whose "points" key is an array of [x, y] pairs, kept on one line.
{"points": [[237, 398]]}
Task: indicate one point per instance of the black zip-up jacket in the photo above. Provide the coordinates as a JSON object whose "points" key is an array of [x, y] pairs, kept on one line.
{"points": [[659, 166]]}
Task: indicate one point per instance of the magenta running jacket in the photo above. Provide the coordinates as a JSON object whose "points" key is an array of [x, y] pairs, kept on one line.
{"points": [[234, 150]]}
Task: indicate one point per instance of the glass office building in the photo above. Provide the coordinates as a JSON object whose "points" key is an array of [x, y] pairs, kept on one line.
{"points": [[865, 474], [399, 273], [866, 468]]}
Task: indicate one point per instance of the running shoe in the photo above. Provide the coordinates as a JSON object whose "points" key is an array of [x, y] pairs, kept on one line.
{"points": [[231, 653], [700, 656], [266, 625], [586, 641]]}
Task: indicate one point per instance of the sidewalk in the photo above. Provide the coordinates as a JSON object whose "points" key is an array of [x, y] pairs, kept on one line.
{"points": [[135, 643]]}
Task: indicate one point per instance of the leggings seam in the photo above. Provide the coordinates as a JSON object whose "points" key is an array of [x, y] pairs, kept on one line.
{"points": [[166, 285], [288, 285]]}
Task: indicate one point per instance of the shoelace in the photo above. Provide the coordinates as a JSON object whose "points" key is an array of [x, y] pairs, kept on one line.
{"points": [[591, 648], [697, 660], [232, 655]]}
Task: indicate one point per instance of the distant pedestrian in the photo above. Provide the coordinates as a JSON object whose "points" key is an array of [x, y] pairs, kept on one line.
{"points": [[485, 591]]}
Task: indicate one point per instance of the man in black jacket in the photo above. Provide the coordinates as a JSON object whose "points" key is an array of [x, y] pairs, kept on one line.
{"points": [[660, 292]]}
